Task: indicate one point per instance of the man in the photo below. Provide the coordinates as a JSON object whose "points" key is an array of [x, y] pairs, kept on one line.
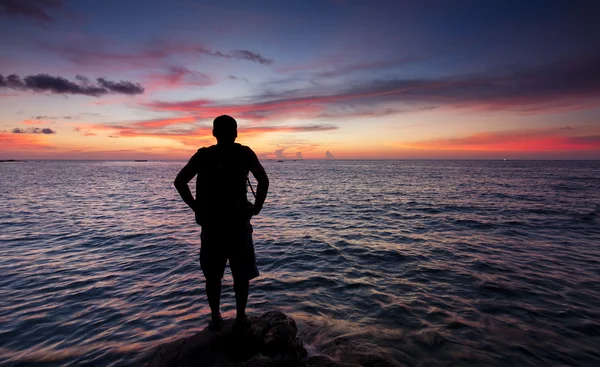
{"points": [[223, 211]]}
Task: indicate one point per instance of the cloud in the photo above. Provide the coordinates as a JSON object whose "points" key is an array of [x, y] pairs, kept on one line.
{"points": [[34, 122], [85, 131], [162, 122], [329, 155], [93, 51], [371, 111], [586, 142], [34, 9], [177, 76], [574, 82], [569, 84], [279, 154], [233, 77], [240, 55], [121, 87], [22, 142], [284, 128], [194, 135], [270, 109], [338, 70], [299, 155], [86, 50], [60, 85], [33, 130], [53, 117], [514, 140]]}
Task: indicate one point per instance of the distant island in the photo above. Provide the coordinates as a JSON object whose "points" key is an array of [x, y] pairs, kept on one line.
{"points": [[10, 160]]}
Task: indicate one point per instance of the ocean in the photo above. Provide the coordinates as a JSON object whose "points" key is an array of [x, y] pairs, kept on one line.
{"points": [[426, 263]]}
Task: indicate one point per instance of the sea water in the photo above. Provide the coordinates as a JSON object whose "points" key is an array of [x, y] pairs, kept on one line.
{"points": [[420, 262]]}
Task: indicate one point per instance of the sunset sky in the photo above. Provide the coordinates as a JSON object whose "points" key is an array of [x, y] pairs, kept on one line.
{"points": [[443, 79]]}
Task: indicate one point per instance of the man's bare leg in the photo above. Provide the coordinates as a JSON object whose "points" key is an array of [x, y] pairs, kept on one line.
{"points": [[213, 293], [241, 288]]}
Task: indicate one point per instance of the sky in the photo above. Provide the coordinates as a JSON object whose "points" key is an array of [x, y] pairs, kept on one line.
{"points": [[311, 79]]}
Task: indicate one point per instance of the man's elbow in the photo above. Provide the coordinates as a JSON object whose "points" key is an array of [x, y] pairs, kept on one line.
{"points": [[263, 181], [178, 183]]}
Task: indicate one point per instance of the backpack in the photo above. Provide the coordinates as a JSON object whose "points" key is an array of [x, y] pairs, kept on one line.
{"points": [[221, 185]]}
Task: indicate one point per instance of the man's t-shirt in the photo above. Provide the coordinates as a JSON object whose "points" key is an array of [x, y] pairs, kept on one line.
{"points": [[221, 184]]}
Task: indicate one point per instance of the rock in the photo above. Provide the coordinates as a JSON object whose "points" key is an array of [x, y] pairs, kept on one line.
{"points": [[258, 326], [276, 317], [324, 361], [269, 341], [372, 360], [259, 360], [281, 343]]}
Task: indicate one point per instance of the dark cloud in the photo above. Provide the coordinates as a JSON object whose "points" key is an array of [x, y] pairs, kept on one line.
{"points": [[233, 77], [569, 84], [240, 55], [53, 117], [590, 140], [33, 130], [121, 87], [35, 9], [60, 85], [372, 112], [572, 81], [251, 56]]}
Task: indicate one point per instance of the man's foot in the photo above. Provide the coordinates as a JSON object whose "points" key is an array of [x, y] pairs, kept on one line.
{"points": [[240, 323], [215, 323]]}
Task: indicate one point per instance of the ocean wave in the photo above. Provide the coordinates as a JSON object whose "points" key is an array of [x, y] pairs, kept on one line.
{"points": [[451, 263]]}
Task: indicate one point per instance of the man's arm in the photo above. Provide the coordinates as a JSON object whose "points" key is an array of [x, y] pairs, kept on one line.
{"points": [[259, 173], [181, 182]]}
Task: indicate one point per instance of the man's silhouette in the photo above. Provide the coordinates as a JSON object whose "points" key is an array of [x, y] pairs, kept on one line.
{"points": [[223, 211]]}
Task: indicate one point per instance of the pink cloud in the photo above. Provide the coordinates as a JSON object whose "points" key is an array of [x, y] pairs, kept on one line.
{"points": [[18, 142], [523, 141], [177, 77]]}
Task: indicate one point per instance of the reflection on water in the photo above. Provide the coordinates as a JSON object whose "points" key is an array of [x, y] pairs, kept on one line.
{"points": [[428, 263]]}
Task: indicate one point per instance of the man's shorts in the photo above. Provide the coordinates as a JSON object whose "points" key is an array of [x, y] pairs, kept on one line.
{"points": [[228, 243]]}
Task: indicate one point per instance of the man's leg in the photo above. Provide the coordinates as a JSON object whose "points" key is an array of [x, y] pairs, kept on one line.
{"points": [[241, 286], [212, 262], [213, 293], [243, 269]]}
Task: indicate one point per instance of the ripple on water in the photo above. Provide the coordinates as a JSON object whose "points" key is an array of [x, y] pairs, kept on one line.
{"points": [[425, 263]]}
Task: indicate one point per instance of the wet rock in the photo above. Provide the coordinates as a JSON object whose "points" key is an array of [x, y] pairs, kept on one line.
{"points": [[258, 360], [281, 343], [373, 360], [324, 361], [269, 341]]}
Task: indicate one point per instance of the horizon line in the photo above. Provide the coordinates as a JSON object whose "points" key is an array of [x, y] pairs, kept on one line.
{"points": [[142, 160]]}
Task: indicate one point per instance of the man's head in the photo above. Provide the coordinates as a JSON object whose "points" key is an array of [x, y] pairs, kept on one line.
{"points": [[225, 129]]}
